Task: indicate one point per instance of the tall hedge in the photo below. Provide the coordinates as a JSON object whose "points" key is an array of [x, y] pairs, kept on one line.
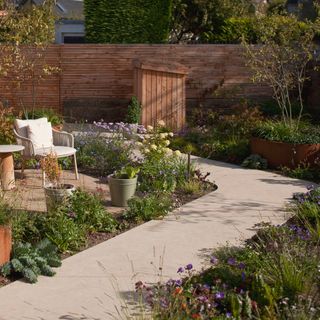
{"points": [[127, 21]]}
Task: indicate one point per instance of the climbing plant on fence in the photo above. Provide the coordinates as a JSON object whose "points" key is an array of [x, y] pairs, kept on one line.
{"points": [[127, 21]]}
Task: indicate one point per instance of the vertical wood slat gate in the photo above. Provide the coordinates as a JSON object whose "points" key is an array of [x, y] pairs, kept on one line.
{"points": [[160, 88]]}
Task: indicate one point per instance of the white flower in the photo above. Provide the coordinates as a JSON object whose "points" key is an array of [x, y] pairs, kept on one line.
{"points": [[161, 123], [170, 134], [177, 153], [167, 142], [163, 135], [168, 151], [139, 144], [146, 150], [147, 136], [150, 128], [153, 147]]}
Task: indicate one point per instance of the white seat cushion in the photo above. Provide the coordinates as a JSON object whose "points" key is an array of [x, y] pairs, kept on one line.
{"points": [[40, 133], [21, 125], [58, 150]]}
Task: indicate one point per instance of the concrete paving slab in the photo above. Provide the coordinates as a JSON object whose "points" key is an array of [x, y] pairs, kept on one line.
{"points": [[93, 283]]}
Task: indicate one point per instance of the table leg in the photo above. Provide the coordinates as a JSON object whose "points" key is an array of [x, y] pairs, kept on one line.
{"points": [[7, 171]]}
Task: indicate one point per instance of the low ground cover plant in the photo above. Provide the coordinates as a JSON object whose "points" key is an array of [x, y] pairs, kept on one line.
{"points": [[273, 276], [32, 261]]}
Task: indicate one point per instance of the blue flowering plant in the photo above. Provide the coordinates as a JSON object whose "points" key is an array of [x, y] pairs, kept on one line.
{"points": [[105, 149]]}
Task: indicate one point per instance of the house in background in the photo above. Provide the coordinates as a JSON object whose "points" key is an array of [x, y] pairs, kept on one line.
{"points": [[69, 27]]}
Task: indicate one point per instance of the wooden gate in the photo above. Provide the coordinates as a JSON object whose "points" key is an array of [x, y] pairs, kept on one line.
{"points": [[160, 88]]}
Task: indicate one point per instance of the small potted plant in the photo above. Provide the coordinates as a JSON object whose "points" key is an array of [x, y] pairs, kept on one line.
{"points": [[123, 185], [5, 234], [56, 193]]}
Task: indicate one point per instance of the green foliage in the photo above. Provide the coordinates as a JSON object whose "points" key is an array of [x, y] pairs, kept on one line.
{"points": [[6, 125], [32, 261], [134, 111], [148, 207], [286, 48], [127, 172], [68, 226], [284, 132], [87, 210], [5, 213], [303, 171], [127, 21], [204, 21], [158, 175], [193, 186], [24, 35], [50, 114], [62, 231], [234, 30], [231, 151], [102, 156], [255, 161]]}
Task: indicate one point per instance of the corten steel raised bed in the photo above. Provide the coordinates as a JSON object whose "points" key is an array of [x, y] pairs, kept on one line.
{"points": [[285, 154], [5, 244]]}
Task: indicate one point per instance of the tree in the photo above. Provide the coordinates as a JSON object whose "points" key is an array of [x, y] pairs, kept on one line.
{"points": [[194, 20], [24, 37], [127, 21], [281, 60]]}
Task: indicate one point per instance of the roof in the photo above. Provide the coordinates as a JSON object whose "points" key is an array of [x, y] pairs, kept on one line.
{"points": [[65, 9]]}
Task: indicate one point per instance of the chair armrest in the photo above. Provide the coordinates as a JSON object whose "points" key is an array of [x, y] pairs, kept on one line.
{"points": [[62, 138], [27, 143]]}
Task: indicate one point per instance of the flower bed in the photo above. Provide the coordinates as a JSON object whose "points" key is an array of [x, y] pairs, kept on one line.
{"points": [[166, 181], [275, 275]]}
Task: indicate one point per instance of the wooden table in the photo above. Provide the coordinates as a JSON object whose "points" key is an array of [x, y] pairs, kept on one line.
{"points": [[6, 165]]}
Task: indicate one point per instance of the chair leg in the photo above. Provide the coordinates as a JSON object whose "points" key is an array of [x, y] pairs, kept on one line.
{"points": [[75, 167], [23, 165], [43, 178]]}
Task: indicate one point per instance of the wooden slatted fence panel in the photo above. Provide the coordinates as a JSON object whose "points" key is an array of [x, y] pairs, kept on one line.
{"points": [[97, 81]]}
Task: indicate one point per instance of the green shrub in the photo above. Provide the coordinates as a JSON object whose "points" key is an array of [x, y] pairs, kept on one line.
{"points": [[279, 131], [148, 207], [303, 171], [233, 30], [101, 156], [50, 114], [255, 161], [5, 213], [127, 21], [87, 211], [134, 111], [230, 151], [62, 231], [32, 261], [6, 125]]}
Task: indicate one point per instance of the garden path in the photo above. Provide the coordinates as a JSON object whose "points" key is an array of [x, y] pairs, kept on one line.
{"points": [[91, 284]]}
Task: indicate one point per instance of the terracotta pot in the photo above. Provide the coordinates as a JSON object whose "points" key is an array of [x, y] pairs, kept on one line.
{"points": [[5, 244], [285, 154], [58, 127]]}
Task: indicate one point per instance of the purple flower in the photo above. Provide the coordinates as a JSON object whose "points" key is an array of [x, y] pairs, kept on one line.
{"points": [[214, 260], [232, 261], [189, 266], [228, 315], [241, 265], [243, 276], [71, 215], [178, 283], [219, 295], [180, 270]]}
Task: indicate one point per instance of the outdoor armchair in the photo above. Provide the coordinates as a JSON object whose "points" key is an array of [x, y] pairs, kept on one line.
{"points": [[39, 142]]}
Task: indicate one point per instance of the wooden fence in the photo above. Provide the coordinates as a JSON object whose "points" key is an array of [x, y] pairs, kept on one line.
{"points": [[97, 81]]}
